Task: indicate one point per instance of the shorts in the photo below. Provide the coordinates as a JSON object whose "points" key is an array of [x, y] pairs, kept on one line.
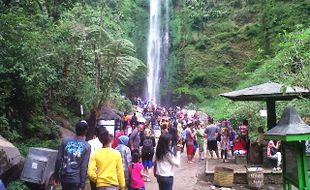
{"points": [[147, 163], [212, 145], [190, 149]]}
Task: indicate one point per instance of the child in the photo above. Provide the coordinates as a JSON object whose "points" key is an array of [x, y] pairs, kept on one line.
{"points": [[239, 146], [136, 172], [225, 144]]}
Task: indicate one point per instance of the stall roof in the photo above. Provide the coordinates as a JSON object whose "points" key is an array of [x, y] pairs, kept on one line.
{"points": [[290, 124], [269, 90]]}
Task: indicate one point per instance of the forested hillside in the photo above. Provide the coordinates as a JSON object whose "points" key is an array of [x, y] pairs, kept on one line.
{"points": [[220, 46], [58, 55]]}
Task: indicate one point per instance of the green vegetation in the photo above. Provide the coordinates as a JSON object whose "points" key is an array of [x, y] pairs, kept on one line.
{"points": [[58, 55], [222, 46], [17, 185]]}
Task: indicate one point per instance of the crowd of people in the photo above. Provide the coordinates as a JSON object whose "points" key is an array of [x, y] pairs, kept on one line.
{"points": [[126, 159]]}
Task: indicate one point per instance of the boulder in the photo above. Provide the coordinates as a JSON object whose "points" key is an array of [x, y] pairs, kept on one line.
{"points": [[11, 161]]}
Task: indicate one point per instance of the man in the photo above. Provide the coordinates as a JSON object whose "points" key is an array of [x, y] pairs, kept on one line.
{"points": [[211, 133], [95, 145], [135, 138], [72, 160], [134, 120]]}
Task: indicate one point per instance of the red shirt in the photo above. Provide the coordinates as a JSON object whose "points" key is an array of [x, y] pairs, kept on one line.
{"points": [[115, 141], [239, 145]]}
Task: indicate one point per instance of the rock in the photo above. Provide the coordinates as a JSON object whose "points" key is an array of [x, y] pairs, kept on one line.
{"points": [[225, 188], [11, 161], [271, 188], [212, 187]]}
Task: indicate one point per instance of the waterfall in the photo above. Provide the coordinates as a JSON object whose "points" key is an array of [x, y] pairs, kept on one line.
{"points": [[158, 45]]}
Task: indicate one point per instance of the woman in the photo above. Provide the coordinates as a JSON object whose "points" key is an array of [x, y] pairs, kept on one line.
{"points": [[105, 167], [165, 162], [148, 145], [239, 146], [190, 142], [272, 153], [126, 155]]}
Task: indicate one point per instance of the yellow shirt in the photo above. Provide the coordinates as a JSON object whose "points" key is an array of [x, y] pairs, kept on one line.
{"points": [[106, 168]]}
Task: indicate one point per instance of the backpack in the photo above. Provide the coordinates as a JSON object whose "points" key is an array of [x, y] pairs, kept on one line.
{"points": [[148, 146]]}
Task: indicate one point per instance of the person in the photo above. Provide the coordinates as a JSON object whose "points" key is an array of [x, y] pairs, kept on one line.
{"points": [[165, 161], [256, 148], [95, 145], [244, 133], [232, 137], [225, 145], [190, 138], [184, 137], [126, 155], [260, 137], [148, 145], [116, 138], [239, 146], [105, 166], [134, 120], [135, 138], [200, 141], [211, 133], [1, 185], [72, 159], [174, 134], [136, 172], [273, 153]]}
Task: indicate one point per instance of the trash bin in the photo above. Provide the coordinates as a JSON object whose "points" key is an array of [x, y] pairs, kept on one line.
{"points": [[39, 167], [255, 177]]}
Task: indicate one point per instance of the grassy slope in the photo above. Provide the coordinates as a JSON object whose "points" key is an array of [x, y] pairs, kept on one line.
{"points": [[228, 53]]}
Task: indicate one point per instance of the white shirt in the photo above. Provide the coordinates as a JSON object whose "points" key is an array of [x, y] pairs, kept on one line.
{"points": [[166, 165], [95, 144]]}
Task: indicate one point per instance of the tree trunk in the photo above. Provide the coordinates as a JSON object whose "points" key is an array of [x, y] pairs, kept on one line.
{"points": [[92, 123], [97, 62]]}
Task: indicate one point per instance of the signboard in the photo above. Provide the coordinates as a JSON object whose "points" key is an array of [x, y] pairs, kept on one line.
{"points": [[263, 113], [108, 124], [291, 162]]}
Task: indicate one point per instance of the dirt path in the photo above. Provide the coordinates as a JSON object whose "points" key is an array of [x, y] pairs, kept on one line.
{"points": [[185, 176]]}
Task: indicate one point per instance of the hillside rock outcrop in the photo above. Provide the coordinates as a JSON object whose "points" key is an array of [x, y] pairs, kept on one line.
{"points": [[11, 161]]}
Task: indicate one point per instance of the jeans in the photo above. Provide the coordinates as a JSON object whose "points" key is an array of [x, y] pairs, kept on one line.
{"points": [[164, 182], [277, 157], [70, 186]]}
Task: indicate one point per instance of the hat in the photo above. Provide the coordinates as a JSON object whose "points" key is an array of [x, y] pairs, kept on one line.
{"points": [[123, 139]]}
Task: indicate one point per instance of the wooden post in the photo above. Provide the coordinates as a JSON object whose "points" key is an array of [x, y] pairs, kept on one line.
{"points": [[271, 113]]}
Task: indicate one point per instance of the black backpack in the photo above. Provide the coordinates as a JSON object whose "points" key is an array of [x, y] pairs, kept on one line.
{"points": [[147, 146]]}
